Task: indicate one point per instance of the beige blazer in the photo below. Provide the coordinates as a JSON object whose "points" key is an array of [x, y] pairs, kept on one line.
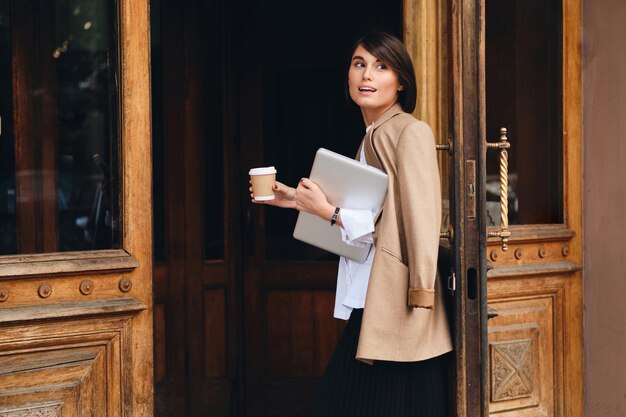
{"points": [[404, 318]]}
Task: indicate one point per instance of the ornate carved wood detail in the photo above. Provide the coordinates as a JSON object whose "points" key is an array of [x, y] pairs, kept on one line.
{"points": [[511, 370], [33, 411], [526, 373], [70, 367]]}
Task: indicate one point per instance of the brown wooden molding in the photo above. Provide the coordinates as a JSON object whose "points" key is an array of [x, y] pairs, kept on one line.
{"points": [[70, 310], [535, 233], [51, 264], [549, 268]]}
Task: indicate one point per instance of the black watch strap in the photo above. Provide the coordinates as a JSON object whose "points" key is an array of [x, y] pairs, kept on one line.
{"points": [[334, 217]]}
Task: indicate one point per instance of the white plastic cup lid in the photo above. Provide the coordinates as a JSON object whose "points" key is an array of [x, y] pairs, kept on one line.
{"points": [[262, 171]]}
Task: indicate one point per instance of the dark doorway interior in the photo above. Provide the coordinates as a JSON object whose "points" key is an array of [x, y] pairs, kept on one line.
{"points": [[294, 94], [243, 313]]}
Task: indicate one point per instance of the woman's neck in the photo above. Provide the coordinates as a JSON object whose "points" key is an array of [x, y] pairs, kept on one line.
{"points": [[370, 116]]}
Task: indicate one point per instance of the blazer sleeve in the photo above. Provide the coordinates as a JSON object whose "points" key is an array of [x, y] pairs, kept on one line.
{"points": [[420, 197]]}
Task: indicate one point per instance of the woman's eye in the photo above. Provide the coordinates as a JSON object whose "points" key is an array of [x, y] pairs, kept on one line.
{"points": [[381, 66], [359, 65]]}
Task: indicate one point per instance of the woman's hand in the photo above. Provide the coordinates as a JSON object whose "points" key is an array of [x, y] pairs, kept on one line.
{"points": [[284, 196], [311, 199]]}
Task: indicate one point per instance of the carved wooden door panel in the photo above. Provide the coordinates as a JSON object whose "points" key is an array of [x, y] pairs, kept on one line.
{"points": [[76, 242], [533, 88]]}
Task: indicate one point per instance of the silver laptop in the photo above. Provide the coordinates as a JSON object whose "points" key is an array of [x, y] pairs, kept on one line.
{"points": [[347, 184]]}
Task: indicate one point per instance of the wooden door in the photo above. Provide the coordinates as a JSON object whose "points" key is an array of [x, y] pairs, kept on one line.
{"points": [[76, 258], [493, 64], [533, 87], [196, 240]]}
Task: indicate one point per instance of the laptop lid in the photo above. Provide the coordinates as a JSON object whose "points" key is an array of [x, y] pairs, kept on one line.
{"points": [[347, 184]]}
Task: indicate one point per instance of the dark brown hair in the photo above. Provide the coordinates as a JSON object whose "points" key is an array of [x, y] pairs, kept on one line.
{"points": [[392, 52]]}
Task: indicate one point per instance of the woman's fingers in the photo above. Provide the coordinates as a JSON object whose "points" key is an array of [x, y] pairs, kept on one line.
{"points": [[306, 183], [284, 196]]}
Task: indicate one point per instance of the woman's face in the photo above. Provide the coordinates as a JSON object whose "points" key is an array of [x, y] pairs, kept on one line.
{"points": [[373, 85]]}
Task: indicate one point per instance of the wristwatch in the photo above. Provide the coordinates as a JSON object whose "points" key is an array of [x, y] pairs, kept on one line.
{"points": [[334, 217]]}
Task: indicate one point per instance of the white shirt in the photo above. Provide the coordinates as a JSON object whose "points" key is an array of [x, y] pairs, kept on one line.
{"points": [[353, 277]]}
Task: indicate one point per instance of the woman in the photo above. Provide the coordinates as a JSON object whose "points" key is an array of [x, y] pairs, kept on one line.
{"points": [[390, 360]]}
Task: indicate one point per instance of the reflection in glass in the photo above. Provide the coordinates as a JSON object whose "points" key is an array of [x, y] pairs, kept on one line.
{"points": [[8, 237], [59, 144], [523, 89]]}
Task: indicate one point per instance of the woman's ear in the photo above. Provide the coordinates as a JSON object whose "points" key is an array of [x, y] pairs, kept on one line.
{"points": [[401, 88]]}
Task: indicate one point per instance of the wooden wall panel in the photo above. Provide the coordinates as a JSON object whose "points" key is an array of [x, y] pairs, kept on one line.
{"points": [[301, 333], [160, 347], [279, 350], [328, 330], [215, 353], [301, 336]]}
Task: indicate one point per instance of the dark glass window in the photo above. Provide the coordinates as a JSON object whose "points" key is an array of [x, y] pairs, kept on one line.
{"points": [[524, 94], [59, 181]]}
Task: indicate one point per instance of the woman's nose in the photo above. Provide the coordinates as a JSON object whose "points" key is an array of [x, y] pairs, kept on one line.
{"points": [[367, 73]]}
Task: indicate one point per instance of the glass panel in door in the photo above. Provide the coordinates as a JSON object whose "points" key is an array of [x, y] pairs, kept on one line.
{"points": [[59, 188]]}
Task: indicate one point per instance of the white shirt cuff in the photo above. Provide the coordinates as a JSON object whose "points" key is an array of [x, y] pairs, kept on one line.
{"points": [[358, 226]]}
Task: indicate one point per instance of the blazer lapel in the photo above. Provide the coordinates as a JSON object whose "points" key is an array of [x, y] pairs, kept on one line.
{"points": [[371, 155]]}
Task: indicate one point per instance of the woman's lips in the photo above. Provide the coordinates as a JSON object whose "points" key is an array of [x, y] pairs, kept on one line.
{"points": [[366, 90]]}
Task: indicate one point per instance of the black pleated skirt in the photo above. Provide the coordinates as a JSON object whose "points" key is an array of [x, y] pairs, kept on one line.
{"points": [[350, 388]]}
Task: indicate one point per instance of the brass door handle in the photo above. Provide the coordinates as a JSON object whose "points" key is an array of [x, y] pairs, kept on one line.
{"points": [[448, 234], [448, 147], [503, 145]]}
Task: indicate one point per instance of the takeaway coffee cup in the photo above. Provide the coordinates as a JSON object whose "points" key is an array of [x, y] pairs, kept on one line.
{"points": [[263, 182]]}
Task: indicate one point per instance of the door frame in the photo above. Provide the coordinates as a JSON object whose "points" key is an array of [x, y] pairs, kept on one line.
{"points": [[442, 39], [41, 303], [136, 186]]}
